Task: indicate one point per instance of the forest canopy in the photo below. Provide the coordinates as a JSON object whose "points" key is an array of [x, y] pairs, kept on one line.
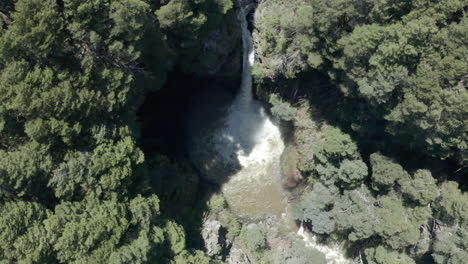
{"points": [[374, 91], [71, 75]]}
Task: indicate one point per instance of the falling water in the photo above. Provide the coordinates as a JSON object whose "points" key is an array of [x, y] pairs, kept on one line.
{"points": [[255, 190], [240, 148], [257, 184]]}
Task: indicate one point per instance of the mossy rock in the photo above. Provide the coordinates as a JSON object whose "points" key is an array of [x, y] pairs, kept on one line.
{"points": [[306, 137], [290, 174]]}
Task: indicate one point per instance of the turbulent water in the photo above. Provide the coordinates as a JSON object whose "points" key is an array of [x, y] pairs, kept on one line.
{"points": [[255, 190], [239, 147], [333, 254]]}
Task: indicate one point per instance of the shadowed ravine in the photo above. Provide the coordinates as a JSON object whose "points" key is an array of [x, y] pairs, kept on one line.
{"points": [[242, 149], [239, 148]]}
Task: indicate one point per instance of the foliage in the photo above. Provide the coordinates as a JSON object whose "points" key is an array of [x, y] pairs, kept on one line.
{"points": [[338, 160], [72, 74], [218, 209], [401, 64], [314, 209], [385, 172], [451, 245], [422, 188], [190, 27], [300, 254], [23, 235], [381, 255], [281, 109], [253, 237], [452, 206], [75, 187], [196, 257], [392, 74], [361, 216]]}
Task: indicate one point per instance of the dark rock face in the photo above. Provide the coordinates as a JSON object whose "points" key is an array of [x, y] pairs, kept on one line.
{"points": [[221, 54], [238, 3]]}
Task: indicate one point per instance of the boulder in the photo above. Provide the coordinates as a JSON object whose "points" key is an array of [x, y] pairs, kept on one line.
{"points": [[237, 256], [214, 236]]}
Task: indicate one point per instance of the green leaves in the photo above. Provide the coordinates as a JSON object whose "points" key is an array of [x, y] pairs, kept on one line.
{"points": [[177, 15], [108, 169], [22, 234], [35, 32], [385, 172], [381, 255], [281, 109], [352, 173], [96, 230], [421, 188], [398, 64], [253, 237], [452, 206], [336, 146], [315, 207], [338, 160], [23, 172], [451, 245], [68, 74]]}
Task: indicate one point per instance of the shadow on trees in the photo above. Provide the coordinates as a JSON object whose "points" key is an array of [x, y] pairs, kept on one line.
{"points": [[166, 119], [332, 106]]}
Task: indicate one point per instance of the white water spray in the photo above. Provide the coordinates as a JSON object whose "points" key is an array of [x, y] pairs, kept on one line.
{"points": [[261, 164], [333, 254], [240, 148], [252, 140]]}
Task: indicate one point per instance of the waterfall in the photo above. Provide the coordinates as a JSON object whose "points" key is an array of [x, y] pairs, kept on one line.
{"points": [[248, 59], [254, 141], [258, 181], [239, 147]]}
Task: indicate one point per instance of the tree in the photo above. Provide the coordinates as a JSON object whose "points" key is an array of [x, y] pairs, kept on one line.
{"points": [[394, 67], [421, 188], [400, 225], [36, 32], [336, 146], [338, 159], [72, 74], [362, 216], [108, 169], [280, 109], [94, 230], [386, 172], [352, 173], [253, 237], [175, 236], [23, 172], [314, 209], [195, 257], [356, 214], [452, 205], [23, 236], [451, 245], [381, 255], [193, 29]]}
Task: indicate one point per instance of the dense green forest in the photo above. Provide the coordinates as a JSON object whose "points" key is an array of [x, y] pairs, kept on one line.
{"points": [[373, 93]]}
